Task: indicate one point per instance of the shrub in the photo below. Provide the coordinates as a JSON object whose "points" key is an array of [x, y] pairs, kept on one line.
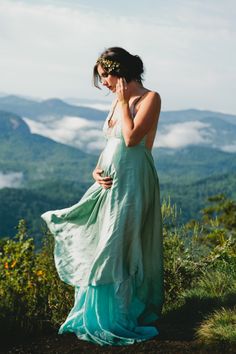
{"points": [[218, 328], [32, 297], [180, 264]]}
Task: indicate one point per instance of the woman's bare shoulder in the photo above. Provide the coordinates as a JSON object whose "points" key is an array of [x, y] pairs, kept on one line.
{"points": [[152, 97]]}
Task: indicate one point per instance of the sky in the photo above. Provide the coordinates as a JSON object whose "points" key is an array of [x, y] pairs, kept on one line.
{"points": [[48, 48]]}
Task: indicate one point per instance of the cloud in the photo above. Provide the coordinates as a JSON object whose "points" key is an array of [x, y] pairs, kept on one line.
{"points": [[180, 135], [229, 148], [11, 179], [88, 135], [74, 131], [49, 49]]}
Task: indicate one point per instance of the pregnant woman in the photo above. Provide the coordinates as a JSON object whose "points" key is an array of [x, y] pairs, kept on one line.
{"points": [[109, 245]]}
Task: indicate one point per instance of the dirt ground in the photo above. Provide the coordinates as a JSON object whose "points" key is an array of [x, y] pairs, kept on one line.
{"points": [[164, 343]]}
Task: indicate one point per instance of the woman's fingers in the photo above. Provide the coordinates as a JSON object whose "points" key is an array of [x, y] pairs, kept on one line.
{"points": [[122, 89], [123, 83], [105, 182], [107, 178]]}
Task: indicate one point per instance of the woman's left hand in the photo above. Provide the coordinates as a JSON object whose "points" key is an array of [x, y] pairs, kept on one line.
{"points": [[122, 91]]}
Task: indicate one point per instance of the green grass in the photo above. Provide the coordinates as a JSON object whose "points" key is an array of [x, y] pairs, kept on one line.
{"points": [[213, 284], [218, 328]]}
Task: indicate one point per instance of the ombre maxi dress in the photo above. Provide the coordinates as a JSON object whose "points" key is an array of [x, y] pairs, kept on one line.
{"points": [[109, 246]]}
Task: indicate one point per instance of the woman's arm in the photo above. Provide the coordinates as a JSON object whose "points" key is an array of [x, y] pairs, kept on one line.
{"points": [[135, 129]]}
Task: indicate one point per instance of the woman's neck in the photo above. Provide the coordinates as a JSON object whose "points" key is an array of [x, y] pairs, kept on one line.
{"points": [[136, 89]]}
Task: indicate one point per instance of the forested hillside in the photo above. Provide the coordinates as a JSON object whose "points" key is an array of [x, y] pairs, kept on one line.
{"points": [[39, 174]]}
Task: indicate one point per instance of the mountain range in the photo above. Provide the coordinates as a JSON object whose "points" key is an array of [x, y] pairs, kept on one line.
{"points": [[48, 150], [81, 126]]}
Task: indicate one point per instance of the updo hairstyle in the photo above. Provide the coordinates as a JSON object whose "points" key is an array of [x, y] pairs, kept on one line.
{"points": [[118, 62]]}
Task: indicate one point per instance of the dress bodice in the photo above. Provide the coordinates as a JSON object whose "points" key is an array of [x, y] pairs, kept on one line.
{"points": [[115, 131]]}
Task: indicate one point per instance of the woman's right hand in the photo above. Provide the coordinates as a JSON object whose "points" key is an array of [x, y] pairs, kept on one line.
{"points": [[105, 182]]}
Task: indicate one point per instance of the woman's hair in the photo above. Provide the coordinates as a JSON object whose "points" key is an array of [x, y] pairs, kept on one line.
{"points": [[118, 62]]}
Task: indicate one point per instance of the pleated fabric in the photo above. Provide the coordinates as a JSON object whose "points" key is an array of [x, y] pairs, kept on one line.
{"points": [[109, 246]]}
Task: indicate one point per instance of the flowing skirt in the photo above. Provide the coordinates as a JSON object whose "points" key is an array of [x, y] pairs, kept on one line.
{"points": [[109, 247]]}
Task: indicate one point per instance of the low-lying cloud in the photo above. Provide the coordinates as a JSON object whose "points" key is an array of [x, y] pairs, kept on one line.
{"points": [[74, 131], [180, 135], [11, 179], [229, 148], [88, 136]]}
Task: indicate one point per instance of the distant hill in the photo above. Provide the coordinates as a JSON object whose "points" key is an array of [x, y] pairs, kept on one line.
{"points": [[191, 196], [12, 124], [37, 157], [56, 107], [31, 203], [54, 175], [195, 114], [176, 129], [192, 163]]}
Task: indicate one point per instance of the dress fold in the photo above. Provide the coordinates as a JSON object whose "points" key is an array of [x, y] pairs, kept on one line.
{"points": [[109, 246]]}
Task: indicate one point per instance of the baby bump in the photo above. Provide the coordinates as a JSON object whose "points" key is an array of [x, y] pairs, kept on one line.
{"points": [[111, 155], [119, 161]]}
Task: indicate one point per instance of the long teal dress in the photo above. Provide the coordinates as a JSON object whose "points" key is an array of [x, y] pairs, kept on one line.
{"points": [[109, 246]]}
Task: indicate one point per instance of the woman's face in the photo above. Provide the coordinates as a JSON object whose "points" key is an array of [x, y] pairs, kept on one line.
{"points": [[107, 80]]}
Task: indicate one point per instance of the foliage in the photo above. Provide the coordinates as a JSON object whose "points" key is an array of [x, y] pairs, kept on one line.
{"points": [[199, 271], [59, 295], [181, 265], [218, 327], [29, 285]]}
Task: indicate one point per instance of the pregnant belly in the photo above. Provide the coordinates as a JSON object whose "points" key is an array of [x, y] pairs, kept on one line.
{"points": [[111, 155], [125, 162]]}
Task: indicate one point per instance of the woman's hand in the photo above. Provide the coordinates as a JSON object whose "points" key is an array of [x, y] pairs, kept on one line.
{"points": [[122, 91], [105, 182]]}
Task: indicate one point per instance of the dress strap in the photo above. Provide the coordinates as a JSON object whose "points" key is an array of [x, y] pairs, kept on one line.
{"points": [[135, 102], [111, 113]]}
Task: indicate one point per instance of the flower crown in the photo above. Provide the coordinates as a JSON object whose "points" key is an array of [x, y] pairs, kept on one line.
{"points": [[108, 65]]}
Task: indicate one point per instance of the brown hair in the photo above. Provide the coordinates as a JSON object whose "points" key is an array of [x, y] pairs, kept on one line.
{"points": [[130, 66]]}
